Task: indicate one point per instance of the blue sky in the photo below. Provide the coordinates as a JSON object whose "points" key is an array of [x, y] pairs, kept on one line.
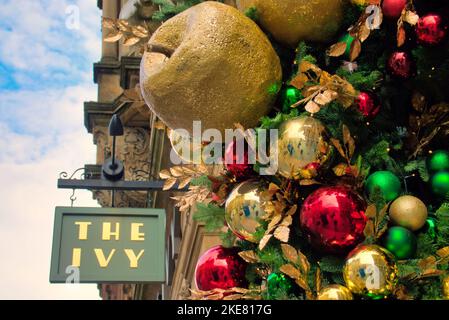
{"points": [[45, 76]]}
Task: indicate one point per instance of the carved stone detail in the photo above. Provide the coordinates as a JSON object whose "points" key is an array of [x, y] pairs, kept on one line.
{"points": [[133, 149]]}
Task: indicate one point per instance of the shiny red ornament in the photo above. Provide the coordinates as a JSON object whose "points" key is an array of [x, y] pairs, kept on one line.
{"points": [[393, 8], [400, 64], [368, 104], [430, 29], [220, 268], [333, 219], [237, 163]]}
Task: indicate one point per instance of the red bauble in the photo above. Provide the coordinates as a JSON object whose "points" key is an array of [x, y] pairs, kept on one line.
{"points": [[333, 219], [237, 163], [220, 268], [393, 8], [400, 64], [368, 104], [430, 29]]}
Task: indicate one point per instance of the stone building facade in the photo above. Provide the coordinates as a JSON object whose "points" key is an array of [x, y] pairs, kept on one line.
{"points": [[144, 150]]}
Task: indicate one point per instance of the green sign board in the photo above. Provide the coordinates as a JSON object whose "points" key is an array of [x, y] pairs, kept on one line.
{"points": [[94, 245]]}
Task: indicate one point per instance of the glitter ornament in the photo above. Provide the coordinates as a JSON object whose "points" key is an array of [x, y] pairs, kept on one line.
{"points": [[243, 209], [220, 268], [400, 64], [371, 271], [333, 219], [278, 282], [368, 104], [430, 29]]}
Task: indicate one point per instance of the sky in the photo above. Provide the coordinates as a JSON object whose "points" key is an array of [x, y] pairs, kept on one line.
{"points": [[46, 57]]}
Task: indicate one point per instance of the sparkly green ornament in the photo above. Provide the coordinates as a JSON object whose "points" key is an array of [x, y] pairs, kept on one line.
{"points": [[348, 39], [401, 242], [387, 182], [438, 161], [290, 96], [276, 283], [440, 184]]}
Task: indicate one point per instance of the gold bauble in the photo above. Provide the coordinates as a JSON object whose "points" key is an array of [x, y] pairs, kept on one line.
{"points": [[303, 142], [446, 287], [408, 212], [222, 70], [370, 270], [243, 209], [335, 292], [291, 21]]}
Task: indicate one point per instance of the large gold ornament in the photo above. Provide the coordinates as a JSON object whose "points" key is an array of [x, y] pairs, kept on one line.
{"points": [[303, 144], [210, 63], [446, 288], [370, 270], [408, 212], [243, 209], [291, 21], [335, 292]]}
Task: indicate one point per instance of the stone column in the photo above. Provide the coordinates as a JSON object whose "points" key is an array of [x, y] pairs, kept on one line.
{"points": [[109, 50]]}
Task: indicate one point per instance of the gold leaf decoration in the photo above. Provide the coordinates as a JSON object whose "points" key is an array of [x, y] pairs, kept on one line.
{"points": [[290, 271], [337, 49], [264, 241], [290, 253], [282, 233], [169, 183], [249, 256]]}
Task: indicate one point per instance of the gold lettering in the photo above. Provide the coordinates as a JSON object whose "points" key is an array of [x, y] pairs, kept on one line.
{"points": [[133, 260], [82, 230], [102, 261], [107, 233], [136, 235], [76, 257]]}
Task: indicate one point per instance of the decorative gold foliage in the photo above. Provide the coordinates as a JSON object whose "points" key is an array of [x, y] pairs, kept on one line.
{"points": [[426, 124], [375, 227], [116, 29], [367, 22], [409, 16], [321, 88], [249, 256], [298, 269]]}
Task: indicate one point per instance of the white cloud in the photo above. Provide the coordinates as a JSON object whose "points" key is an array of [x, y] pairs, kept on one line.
{"points": [[41, 134]]}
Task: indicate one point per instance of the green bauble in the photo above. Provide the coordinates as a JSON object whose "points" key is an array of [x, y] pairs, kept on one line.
{"points": [[277, 282], [348, 39], [387, 182], [290, 96], [440, 184], [401, 242], [438, 161]]}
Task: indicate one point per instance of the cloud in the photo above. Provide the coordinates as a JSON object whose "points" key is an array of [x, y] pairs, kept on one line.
{"points": [[46, 76]]}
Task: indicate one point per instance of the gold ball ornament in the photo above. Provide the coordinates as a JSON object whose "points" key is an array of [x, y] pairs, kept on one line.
{"points": [[210, 63], [303, 143], [291, 21], [408, 212], [446, 288], [243, 209], [371, 271], [335, 292]]}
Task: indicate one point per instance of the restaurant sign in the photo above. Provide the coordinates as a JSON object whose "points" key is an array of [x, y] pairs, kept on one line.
{"points": [[121, 245]]}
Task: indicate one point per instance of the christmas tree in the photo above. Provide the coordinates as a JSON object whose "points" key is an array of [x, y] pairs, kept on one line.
{"points": [[358, 207]]}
